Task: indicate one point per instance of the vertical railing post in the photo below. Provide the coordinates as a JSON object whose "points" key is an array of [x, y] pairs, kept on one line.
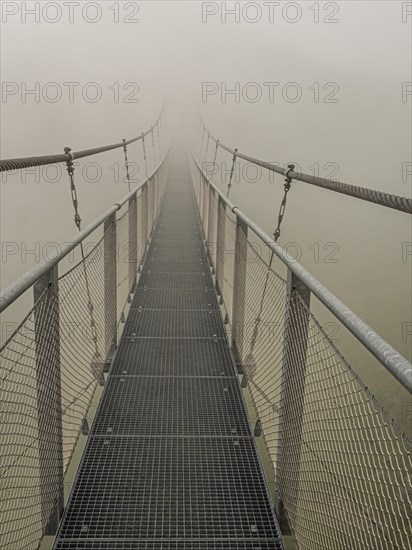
{"points": [[210, 222], [201, 193], [220, 246], [110, 286], [156, 182], [164, 176], [239, 289], [161, 186], [159, 189], [163, 179], [205, 207], [153, 183], [133, 245], [196, 183], [292, 397], [144, 220], [49, 404], [150, 202]]}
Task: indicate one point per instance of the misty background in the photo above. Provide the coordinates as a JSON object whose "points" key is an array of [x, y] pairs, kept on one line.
{"points": [[175, 50]]}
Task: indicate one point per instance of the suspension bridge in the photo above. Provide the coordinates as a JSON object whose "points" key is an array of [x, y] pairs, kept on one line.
{"points": [[211, 432]]}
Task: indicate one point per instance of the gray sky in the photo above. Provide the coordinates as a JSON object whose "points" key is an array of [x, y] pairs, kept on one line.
{"points": [[170, 49]]}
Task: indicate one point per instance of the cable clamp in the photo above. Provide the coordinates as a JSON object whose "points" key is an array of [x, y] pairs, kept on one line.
{"points": [[67, 151], [287, 171]]}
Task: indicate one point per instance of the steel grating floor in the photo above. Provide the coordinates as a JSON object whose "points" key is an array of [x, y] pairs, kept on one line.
{"points": [[171, 462]]}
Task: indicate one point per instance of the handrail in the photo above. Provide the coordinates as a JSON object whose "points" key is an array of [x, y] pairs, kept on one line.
{"points": [[23, 283], [396, 202], [28, 162], [391, 359]]}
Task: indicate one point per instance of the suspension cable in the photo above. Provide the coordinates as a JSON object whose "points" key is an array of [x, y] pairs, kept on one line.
{"points": [[396, 202], [28, 162]]}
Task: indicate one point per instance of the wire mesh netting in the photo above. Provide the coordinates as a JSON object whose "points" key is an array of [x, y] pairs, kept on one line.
{"points": [[51, 366], [83, 342], [20, 449], [341, 466]]}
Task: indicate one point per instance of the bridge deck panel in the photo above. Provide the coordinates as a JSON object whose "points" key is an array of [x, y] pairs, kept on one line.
{"points": [[255, 544], [169, 323], [169, 488], [171, 462], [175, 298], [171, 406], [187, 281], [173, 357]]}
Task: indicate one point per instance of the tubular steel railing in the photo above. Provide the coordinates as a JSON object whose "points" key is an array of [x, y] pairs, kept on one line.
{"points": [[53, 362], [341, 466]]}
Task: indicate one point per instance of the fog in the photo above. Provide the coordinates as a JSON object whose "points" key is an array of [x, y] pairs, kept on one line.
{"points": [[340, 96]]}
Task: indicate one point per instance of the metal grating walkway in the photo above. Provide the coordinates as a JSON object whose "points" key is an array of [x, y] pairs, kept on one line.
{"points": [[171, 463]]}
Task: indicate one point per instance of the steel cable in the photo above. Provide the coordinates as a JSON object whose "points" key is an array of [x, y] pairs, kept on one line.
{"points": [[29, 162], [396, 202]]}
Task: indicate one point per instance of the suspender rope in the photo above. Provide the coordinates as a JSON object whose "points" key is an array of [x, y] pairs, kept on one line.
{"points": [[158, 139], [77, 220], [201, 141], [198, 134], [276, 235], [214, 158], [153, 147], [207, 145], [144, 153], [126, 163], [229, 185]]}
